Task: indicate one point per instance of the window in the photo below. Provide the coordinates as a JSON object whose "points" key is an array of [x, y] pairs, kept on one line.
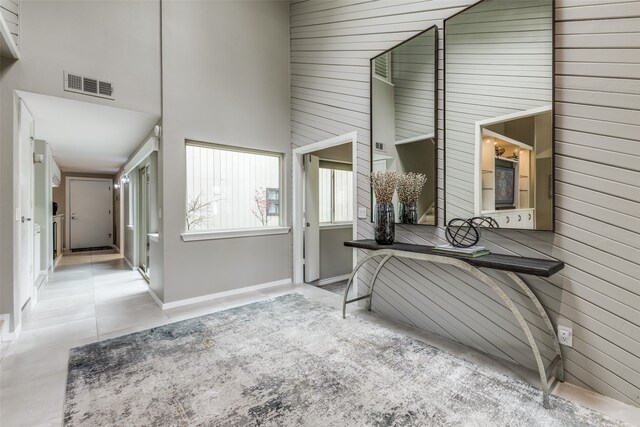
{"points": [[336, 196], [273, 202], [232, 188]]}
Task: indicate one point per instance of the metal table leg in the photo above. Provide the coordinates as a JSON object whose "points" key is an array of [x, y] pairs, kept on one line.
{"points": [[556, 344], [375, 276], [483, 277], [350, 281]]}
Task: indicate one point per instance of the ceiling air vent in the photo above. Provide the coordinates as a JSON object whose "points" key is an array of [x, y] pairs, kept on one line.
{"points": [[105, 88], [88, 85], [74, 82]]}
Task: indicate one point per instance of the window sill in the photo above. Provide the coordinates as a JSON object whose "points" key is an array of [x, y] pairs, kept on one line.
{"points": [[337, 226], [231, 234], [154, 237]]}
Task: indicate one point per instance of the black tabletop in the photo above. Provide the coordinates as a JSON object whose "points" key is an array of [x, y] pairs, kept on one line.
{"points": [[517, 264]]}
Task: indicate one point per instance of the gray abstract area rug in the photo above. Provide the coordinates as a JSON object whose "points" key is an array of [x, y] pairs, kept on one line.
{"points": [[292, 362]]}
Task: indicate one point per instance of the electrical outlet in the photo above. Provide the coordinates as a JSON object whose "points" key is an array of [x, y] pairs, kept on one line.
{"points": [[565, 335], [362, 213]]}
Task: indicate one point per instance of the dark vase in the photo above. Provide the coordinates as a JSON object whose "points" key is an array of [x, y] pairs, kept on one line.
{"points": [[385, 231], [408, 213]]}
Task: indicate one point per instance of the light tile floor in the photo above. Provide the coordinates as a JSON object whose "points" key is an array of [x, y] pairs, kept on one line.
{"points": [[336, 288], [96, 296]]}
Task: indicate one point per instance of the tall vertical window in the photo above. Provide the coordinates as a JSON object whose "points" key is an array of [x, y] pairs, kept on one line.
{"points": [[231, 188], [336, 196]]}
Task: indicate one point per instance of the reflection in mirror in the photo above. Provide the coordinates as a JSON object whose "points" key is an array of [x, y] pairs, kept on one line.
{"points": [[403, 117], [498, 110]]}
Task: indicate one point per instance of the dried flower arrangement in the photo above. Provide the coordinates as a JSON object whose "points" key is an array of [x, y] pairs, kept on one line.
{"points": [[384, 184], [410, 186]]}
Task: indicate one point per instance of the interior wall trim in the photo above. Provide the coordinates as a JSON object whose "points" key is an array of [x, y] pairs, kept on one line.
{"points": [[5, 334], [297, 222], [335, 279], [145, 151], [209, 297]]}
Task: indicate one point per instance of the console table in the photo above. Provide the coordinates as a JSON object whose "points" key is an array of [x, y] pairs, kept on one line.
{"points": [[508, 263]]}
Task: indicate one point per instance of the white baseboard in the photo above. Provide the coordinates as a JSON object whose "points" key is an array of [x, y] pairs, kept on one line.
{"points": [[42, 279], [334, 279], [209, 297], [41, 282], [155, 297], [5, 335], [129, 262]]}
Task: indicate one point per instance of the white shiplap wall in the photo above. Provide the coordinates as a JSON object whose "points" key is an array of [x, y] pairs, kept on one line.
{"points": [[597, 181], [498, 59], [10, 10], [412, 74]]}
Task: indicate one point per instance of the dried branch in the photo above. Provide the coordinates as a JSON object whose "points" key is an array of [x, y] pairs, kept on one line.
{"points": [[261, 210], [384, 184], [194, 215], [410, 186]]}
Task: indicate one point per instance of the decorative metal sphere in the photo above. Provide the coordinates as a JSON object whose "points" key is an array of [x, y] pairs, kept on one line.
{"points": [[462, 233], [484, 221]]}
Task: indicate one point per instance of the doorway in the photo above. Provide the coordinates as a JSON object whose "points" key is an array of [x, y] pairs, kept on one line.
{"points": [[90, 213], [317, 185], [25, 153]]}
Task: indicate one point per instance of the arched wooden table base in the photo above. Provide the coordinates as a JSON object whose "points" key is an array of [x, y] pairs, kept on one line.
{"points": [[387, 254]]}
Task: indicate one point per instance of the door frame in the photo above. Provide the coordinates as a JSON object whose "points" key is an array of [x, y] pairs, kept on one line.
{"points": [[67, 199], [311, 228], [25, 162], [142, 213], [298, 196]]}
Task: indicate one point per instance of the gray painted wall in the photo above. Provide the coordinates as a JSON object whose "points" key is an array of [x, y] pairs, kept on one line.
{"points": [[117, 41], [233, 90], [335, 258], [597, 175]]}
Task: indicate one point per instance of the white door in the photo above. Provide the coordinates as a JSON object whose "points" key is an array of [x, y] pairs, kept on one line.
{"points": [[91, 219], [25, 154], [312, 219]]}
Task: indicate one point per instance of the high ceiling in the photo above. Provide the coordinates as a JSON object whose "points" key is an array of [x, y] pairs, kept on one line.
{"points": [[87, 137]]}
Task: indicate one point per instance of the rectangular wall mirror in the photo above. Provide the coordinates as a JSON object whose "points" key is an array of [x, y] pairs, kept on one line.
{"points": [[499, 113], [404, 117]]}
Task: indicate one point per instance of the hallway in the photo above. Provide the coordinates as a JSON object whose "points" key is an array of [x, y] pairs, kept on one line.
{"points": [[92, 296]]}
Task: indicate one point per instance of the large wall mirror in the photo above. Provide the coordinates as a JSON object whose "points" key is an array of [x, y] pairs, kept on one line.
{"points": [[404, 117], [499, 113]]}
